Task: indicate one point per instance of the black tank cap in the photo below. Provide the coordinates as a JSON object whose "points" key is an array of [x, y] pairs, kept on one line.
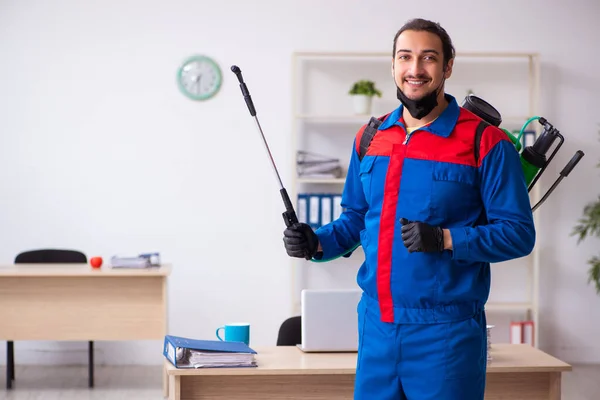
{"points": [[482, 109]]}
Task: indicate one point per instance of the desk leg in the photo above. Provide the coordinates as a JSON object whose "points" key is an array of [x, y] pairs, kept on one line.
{"points": [[165, 382], [174, 387], [555, 386], [91, 364], [10, 364]]}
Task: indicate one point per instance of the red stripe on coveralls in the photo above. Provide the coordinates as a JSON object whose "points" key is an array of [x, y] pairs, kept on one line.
{"points": [[387, 224]]}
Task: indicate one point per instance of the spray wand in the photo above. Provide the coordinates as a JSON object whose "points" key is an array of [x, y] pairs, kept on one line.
{"points": [[289, 215]]}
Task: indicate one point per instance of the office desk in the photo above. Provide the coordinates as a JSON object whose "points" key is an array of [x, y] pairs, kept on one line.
{"points": [[76, 302], [517, 372]]}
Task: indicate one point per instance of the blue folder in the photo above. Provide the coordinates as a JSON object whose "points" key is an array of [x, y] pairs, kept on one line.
{"points": [[174, 346]]}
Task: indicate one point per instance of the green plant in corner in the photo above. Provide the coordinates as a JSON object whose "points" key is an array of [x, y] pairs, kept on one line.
{"points": [[589, 225], [365, 87]]}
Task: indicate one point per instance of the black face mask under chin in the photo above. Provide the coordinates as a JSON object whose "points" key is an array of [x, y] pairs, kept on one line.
{"points": [[421, 107]]}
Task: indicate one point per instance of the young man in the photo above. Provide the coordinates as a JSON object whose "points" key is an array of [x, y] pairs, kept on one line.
{"points": [[430, 219]]}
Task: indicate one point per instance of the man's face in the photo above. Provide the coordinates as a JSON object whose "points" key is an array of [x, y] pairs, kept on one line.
{"points": [[418, 63]]}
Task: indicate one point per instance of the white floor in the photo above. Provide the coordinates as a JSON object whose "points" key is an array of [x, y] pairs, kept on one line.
{"points": [[144, 383], [71, 383]]}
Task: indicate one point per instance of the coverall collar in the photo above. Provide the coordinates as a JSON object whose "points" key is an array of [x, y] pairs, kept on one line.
{"points": [[442, 126]]}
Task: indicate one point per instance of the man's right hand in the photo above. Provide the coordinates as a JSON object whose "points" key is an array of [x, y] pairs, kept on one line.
{"points": [[300, 241]]}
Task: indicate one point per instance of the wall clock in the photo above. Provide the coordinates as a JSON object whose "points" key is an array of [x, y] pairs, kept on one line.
{"points": [[199, 77]]}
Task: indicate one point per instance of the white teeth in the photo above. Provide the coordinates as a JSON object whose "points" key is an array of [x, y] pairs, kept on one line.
{"points": [[416, 82]]}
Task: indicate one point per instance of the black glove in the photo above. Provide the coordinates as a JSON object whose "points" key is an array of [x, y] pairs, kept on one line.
{"points": [[419, 236], [300, 241]]}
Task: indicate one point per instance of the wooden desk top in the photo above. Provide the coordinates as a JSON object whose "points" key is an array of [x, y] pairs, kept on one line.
{"points": [[286, 360], [523, 358], [78, 270]]}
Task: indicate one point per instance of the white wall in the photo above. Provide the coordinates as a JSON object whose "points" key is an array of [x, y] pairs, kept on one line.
{"points": [[100, 152]]}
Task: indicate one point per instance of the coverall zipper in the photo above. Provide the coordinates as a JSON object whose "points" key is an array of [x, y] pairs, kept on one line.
{"points": [[408, 135]]}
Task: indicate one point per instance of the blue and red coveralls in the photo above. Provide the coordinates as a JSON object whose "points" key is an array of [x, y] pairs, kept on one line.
{"points": [[422, 325]]}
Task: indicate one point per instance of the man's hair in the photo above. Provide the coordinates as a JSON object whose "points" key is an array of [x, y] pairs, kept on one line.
{"points": [[419, 24]]}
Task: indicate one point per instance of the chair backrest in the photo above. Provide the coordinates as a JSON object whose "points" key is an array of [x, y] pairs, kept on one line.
{"points": [[50, 256], [290, 332]]}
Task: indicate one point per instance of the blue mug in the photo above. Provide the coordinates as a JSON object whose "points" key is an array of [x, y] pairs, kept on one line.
{"points": [[238, 332]]}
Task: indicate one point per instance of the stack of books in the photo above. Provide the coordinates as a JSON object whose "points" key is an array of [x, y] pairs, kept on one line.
{"points": [[489, 342], [316, 166], [189, 353]]}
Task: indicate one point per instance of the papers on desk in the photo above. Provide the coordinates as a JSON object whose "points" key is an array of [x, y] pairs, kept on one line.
{"points": [[145, 260], [189, 353], [202, 359], [489, 342]]}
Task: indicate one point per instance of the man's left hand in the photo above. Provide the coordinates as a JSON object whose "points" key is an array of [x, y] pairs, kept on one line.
{"points": [[421, 237]]}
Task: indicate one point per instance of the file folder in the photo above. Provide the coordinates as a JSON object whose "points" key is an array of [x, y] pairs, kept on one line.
{"points": [[318, 209], [314, 211], [302, 208], [326, 209], [190, 353], [337, 207]]}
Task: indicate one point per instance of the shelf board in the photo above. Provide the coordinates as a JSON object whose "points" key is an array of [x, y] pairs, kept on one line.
{"points": [[378, 57], [386, 56], [363, 119], [322, 180], [335, 119], [521, 119], [508, 306]]}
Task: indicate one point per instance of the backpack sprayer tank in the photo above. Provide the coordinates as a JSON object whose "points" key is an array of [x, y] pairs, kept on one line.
{"points": [[534, 159]]}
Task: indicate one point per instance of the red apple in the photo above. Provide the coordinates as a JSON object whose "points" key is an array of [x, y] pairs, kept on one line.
{"points": [[96, 262]]}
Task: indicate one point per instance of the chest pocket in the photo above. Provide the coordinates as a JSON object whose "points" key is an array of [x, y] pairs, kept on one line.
{"points": [[455, 195], [366, 175]]}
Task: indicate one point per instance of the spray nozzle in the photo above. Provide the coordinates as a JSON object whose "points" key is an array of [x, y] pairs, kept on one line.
{"points": [[544, 142], [533, 158]]}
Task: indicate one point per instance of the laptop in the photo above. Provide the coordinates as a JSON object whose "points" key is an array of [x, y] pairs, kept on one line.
{"points": [[330, 320]]}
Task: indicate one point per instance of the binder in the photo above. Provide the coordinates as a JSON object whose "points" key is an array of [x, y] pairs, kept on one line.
{"points": [[302, 208], [326, 209], [522, 332], [314, 214], [190, 353], [528, 138], [516, 332], [528, 336], [318, 209], [337, 207]]}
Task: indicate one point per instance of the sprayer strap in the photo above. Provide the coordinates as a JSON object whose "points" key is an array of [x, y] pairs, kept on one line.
{"points": [[374, 123], [367, 135], [478, 133]]}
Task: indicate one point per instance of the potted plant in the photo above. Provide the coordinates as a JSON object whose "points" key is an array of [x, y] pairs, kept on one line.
{"points": [[362, 93], [589, 225]]}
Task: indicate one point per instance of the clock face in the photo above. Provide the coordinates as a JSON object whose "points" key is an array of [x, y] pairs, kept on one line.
{"points": [[199, 78]]}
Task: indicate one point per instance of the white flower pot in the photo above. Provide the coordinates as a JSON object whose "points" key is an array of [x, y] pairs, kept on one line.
{"points": [[361, 104]]}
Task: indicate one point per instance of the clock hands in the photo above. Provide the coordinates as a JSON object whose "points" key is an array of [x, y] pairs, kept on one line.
{"points": [[198, 79]]}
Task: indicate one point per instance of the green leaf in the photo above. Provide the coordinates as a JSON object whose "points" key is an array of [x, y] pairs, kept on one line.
{"points": [[589, 224], [365, 87], [594, 273]]}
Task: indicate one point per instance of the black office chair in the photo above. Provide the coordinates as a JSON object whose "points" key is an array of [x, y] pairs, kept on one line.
{"points": [[47, 256], [290, 332]]}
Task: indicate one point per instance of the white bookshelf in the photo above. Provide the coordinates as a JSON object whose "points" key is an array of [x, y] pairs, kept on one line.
{"points": [[323, 122]]}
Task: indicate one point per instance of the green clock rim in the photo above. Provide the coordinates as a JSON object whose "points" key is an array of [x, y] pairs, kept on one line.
{"points": [[205, 59]]}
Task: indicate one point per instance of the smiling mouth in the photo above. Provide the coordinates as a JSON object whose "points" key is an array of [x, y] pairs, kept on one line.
{"points": [[416, 83]]}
